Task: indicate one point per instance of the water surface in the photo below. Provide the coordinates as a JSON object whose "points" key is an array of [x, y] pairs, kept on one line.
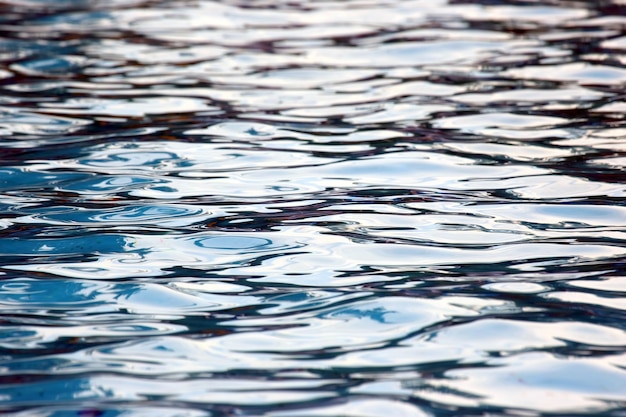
{"points": [[359, 208]]}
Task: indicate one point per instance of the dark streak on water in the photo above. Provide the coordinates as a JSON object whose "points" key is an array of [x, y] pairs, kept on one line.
{"points": [[284, 208]]}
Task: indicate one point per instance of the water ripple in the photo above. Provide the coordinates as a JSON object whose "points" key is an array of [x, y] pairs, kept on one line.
{"points": [[312, 208]]}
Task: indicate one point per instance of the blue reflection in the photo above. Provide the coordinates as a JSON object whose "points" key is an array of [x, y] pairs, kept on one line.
{"points": [[50, 294], [89, 244], [104, 183], [232, 242], [50, 66], [142, 158], [375, 314], [124, 214], [20, 179], [88, 19], [54, 391]]}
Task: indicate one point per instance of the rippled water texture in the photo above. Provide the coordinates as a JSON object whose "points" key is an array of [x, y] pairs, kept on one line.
{"points": [[359, 208]]}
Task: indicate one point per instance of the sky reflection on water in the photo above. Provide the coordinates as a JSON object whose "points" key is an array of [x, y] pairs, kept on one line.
{"points": [[355, 208]]}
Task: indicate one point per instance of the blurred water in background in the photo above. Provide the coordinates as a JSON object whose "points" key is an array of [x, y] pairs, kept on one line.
{"points": [[366, 208]]}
